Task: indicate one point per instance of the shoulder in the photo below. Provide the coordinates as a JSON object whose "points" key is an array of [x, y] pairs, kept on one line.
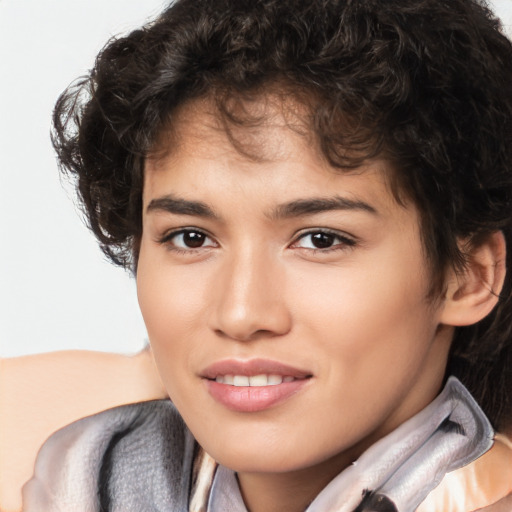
{"points": [[486, 481], [41, 393], [128, 454]]}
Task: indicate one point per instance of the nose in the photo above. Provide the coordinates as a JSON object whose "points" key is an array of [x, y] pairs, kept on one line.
{"points": [[249, 298]]}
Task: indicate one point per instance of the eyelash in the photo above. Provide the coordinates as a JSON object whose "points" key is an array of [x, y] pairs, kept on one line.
{"points": [[344, 242], [168, 238]]}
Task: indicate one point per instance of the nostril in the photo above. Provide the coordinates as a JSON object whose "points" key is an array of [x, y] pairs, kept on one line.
{"points": [[247, 336]]}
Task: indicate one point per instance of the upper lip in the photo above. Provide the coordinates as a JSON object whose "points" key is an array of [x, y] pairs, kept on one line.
{"points": [[252, 367]]}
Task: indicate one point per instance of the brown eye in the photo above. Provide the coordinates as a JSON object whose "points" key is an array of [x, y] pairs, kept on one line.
{"points": [[322, 240], [188, 239], [193, 239]]}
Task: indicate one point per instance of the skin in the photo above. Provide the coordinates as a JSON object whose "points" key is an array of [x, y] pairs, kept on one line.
{"points": [[42, 393], [353, 314], [473, 487]]}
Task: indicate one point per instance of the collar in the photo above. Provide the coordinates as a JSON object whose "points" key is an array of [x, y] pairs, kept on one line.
{"points": [[397, 472]]}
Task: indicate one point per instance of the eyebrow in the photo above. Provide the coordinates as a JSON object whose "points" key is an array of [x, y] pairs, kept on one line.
{"points": [[178, 206], [297, 208], [311, 206]]}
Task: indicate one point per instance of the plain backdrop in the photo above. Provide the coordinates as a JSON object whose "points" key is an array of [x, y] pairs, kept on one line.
{"points": [[57, 291]]}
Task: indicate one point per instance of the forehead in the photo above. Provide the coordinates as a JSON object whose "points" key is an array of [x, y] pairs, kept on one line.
{"points": [[265, 140], [252, 126]]}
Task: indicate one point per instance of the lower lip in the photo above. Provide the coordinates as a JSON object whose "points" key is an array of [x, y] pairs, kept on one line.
{"points": [[253, 398]]}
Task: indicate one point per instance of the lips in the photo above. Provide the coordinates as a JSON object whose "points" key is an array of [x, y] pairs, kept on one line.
{"points": [[255, 385]]}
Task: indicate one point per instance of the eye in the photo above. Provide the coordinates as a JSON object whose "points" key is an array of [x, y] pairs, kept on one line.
{"points": [[188, 239], [323, 240]]}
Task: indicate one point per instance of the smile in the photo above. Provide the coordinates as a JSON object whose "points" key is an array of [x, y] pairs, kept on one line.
{"points": [[253, 380], [254, 385]]}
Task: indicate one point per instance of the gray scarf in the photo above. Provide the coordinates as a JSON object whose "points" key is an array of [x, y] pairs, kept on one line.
{"points": [[140, 457]]}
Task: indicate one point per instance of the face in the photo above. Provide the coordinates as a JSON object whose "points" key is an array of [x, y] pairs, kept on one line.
{"points": [[284, 299]]}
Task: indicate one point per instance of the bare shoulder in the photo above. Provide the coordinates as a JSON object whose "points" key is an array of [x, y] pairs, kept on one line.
{"points": [[479, 486], [41, 393]]}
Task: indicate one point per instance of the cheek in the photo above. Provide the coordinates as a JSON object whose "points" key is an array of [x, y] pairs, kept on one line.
{"points": [[367, 316], [170, 297], [170, 302]]}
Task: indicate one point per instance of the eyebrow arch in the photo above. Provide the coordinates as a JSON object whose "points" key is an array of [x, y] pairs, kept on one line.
{"points": [[312, 206], [180, 206]]}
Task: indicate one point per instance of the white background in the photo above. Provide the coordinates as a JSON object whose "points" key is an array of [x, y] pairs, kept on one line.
{"points": [[57, 291]]}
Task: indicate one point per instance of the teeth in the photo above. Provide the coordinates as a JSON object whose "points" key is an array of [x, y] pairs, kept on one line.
{"points": [[253, 380], [258, 380], [240, 380]]}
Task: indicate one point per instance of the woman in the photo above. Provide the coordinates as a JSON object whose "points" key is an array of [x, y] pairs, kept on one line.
{"points": [[315, 200]]}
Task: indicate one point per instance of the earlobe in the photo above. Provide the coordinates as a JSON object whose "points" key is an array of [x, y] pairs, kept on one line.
{"points": [[473, 293]]}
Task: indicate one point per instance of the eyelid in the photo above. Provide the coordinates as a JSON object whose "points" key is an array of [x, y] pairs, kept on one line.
{"points": [[168, 236], [346, 239]]}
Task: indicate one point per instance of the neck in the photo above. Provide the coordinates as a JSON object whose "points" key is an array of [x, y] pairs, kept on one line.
{"points": [[275, 493], [291, 491]]}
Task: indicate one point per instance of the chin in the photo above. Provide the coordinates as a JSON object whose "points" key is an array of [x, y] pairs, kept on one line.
{"points": [[280, 456], [266, 463]]}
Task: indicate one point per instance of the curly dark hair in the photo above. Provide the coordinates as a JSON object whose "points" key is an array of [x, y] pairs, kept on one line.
{"points": [[426, 84]]}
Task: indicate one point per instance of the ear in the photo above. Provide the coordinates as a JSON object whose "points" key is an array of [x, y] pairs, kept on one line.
{"points": [[472, 294]]}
